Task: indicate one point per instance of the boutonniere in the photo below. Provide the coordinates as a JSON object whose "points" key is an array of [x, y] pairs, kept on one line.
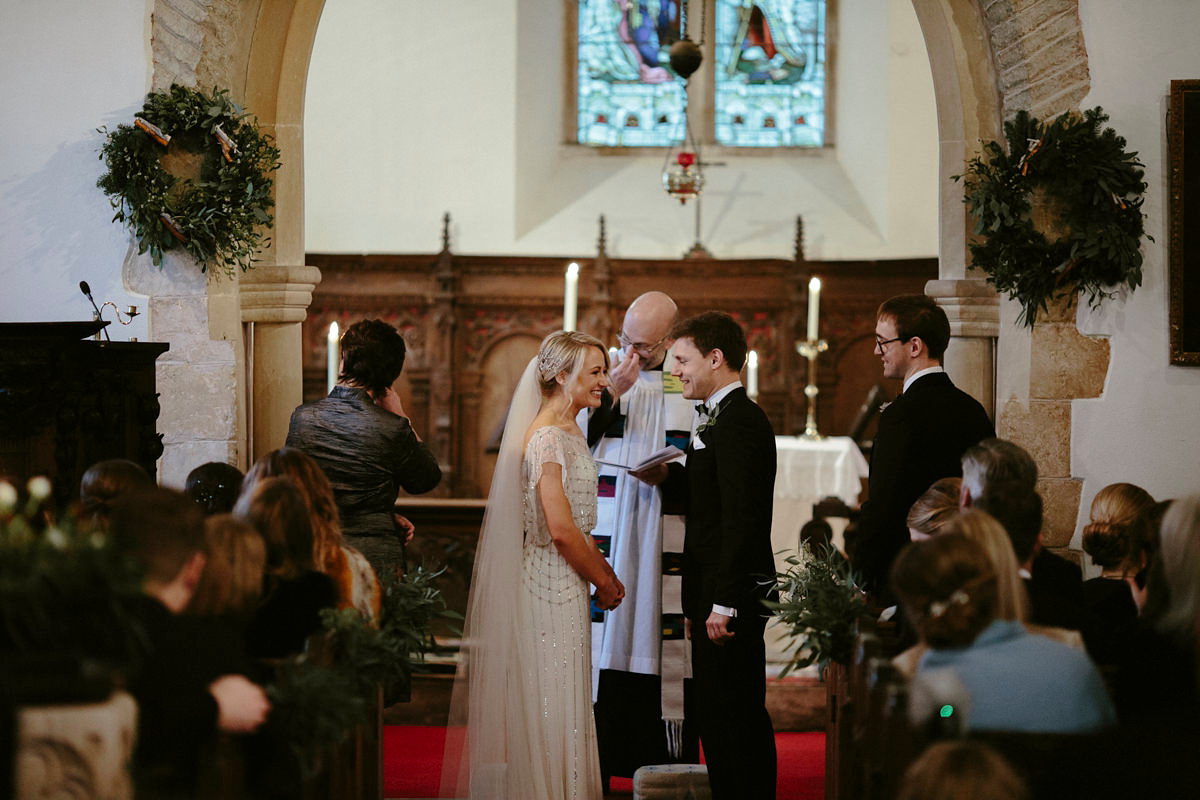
{"points": [[708, 416], [883, 406]]}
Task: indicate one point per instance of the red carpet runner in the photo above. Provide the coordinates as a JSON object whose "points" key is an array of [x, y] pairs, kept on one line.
{"points": [[412, 764]]}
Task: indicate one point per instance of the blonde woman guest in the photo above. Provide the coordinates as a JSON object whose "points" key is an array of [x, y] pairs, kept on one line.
{"points": [[961, 769], [1012, 600], [934, 509], [1016, 680], [524, 691], [1119, 541]]}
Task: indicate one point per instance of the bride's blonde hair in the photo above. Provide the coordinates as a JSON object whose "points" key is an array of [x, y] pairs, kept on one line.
{"points": [[563, 351]]}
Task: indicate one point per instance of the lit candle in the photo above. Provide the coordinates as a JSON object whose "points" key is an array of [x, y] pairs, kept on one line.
{"points": [[570, 296], [613, 356], [333, 356], [752, 375], [814, 305]]}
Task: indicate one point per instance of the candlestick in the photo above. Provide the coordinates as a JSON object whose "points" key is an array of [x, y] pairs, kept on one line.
{"points": [[333, 356], [752, 375], [811, 349], [570, 296], [814, 305]]}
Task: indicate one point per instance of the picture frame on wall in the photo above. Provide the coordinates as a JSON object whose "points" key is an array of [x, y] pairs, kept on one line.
{"points": [[1183, 142]]}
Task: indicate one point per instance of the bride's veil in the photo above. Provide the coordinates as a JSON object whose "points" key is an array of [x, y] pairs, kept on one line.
{"points": [[476, 734]]}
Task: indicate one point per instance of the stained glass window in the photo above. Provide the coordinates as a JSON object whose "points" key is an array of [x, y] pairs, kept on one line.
{"points": [[769, 73], [627, 95], [765, 73]]}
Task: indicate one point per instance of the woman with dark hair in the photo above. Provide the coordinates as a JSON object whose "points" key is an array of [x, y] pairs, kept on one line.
{"points": [[364, 442], [214, 487], [357, 584], [104, 483], [294, 591], [1015, 680]]}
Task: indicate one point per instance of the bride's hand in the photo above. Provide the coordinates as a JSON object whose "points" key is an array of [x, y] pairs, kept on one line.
{"points": [[610, 595]]}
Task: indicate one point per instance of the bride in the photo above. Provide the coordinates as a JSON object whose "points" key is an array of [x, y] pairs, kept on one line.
{"points": [[521, 724]]}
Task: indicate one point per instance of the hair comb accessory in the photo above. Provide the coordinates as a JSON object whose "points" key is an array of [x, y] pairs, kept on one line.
{"points": [[940, 607], [548, 366]]}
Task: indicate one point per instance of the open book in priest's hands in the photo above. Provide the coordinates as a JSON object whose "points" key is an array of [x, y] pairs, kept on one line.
{"points": [[668, 453]]}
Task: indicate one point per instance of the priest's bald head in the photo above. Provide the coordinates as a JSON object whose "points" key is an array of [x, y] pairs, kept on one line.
{"points": [[645, 330]]}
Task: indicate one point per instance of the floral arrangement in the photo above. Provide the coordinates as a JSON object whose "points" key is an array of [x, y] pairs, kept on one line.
{"points": [[316, 702], [820, 604], [1091, 188], [217, 217], [59, 581]]}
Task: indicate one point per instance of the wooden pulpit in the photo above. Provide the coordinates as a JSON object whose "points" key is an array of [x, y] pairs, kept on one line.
{"points": [[67, 401]]}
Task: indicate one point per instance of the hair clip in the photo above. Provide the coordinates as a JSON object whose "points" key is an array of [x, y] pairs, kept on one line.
{"points": [[940, 607]]}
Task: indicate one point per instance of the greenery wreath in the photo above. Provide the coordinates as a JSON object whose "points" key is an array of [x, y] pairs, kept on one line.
{"points": [[1091, 189], [217, 213]]}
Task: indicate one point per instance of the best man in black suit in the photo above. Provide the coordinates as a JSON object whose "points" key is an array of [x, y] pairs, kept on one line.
{"points": [[726, 488], [922, 435]]}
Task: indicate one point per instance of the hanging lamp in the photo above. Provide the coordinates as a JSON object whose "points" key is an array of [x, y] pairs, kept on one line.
{"points": [[682, 176]]}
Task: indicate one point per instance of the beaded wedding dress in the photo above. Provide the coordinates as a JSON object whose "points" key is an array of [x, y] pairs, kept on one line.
{"points": [[521, 724], [558, 758]]}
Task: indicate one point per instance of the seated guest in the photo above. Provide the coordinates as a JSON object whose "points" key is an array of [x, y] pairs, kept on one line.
{"points": [[1118, 542], [957, 770], [232, 583], [1012, 601], [992, 462], [294, 591], [214, 486], [183, 697], [934, 509], [1156, 682], [104, 482], [1149, 595], [1055, 585], [1015, 680], [365, 443], [358, 586], [816, 535], [1000, 477], [1158, 676]]}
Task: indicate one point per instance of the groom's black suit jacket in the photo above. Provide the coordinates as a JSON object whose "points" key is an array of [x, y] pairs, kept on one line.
{"points": [[921, 438], [726, 490]]}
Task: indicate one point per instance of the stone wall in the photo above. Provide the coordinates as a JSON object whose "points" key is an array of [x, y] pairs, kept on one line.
{"points": [[200, 377], [1041, 65]]}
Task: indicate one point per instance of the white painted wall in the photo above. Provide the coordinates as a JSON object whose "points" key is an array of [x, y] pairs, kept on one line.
{"points": [[66, 68], [1144, 428], [415, 108]]}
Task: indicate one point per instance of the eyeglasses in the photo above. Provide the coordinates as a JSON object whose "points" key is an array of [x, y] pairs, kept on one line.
{"points": [[645, 346], [880, 343]]}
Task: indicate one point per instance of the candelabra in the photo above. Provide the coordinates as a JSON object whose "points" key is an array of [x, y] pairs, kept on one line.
{"points": [[810, 349]]}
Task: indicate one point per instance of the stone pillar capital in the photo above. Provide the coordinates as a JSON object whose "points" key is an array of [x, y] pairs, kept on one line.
{"points": [[971, 305], [277, 293]]}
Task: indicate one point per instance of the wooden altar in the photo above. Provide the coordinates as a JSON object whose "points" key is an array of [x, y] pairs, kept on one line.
{"points": [[472, 322]]}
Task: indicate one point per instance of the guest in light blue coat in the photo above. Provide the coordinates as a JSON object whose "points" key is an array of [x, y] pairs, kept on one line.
{"points": [[1010, 679]]}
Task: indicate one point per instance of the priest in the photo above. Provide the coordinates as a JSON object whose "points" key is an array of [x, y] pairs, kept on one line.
{"points": [[639, 652]]}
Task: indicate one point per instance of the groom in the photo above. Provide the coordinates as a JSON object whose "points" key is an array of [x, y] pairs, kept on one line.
{"points": [[728, 570]]}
